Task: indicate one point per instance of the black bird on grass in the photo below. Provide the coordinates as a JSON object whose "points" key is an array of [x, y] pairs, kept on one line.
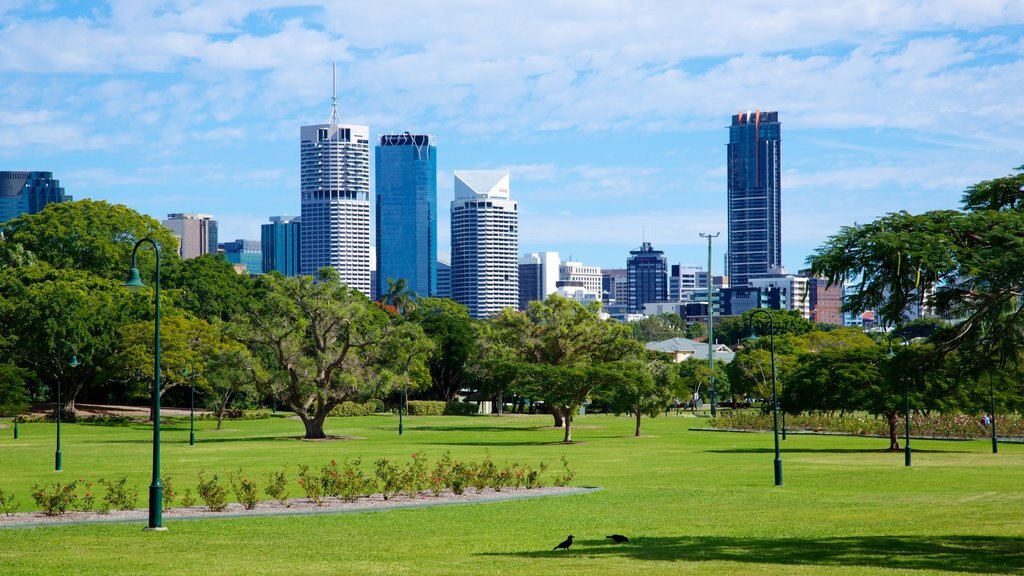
{"points": [[618, 538], [564, 545]]}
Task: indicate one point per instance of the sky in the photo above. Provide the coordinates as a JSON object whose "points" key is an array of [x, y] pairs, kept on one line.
{"points": [[611, 115]]}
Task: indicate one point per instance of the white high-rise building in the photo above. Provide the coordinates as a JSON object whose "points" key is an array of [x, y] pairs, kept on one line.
{"points": [[589, 276], [538, 277], [336, 200], [485, 242]]}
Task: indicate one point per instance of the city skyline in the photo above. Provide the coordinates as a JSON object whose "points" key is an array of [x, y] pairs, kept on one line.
{"points": [[612, 123]]}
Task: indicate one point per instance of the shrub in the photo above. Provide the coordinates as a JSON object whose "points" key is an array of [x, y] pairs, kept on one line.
{"points": [[567, 474], [425, 407], [8, 504], [458, 478], [244, 489], [119, 495], [277, 486], [456, 408], [330, 479], [354, 483], [168, 493], [311, 484], [389, 478], [212, 492], [505, 476], [87, 502], [483, 474], [377, 404], [533, 477], [348, 408], [441, 476], [187, 500], [237, 414], [415, 476], [56, 499]]}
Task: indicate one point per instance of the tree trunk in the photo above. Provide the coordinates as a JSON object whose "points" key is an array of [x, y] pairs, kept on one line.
{"points": [[501, 403], [637, 423], [556, 411], [568, 427], [894, 442], [314, 426]]}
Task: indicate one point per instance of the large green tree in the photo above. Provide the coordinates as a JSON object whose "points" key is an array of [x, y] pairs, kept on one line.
{"points": [[640, 387], [324, 342], [448, 324], [560, 344], [207, 286]]}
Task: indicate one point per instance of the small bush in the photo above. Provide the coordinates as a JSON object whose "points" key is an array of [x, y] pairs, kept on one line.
{"points": [[56, 499], [212, 492], [458, 478], [415, 476], [456, 408], [354, 483], [187, 499], [346, 409], [169, 494], [119, 495], [567, 474], [244, 489], [484, 474], [311, 484], [440, 478], [277, 486], [389, 478], [533, 478], [87, 502], [237, 414], [8, 504], [377, 404], [425, 407]]}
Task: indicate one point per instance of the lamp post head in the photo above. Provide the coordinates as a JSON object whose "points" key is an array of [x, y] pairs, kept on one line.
{"points": [[134, 281], [74, 362]]}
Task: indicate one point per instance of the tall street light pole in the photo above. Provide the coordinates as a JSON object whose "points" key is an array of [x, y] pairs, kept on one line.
{"points": [[191, 406], [775, 393], [711, 327], [992, 401], [156, 490], [906, 403], [57, 461]]}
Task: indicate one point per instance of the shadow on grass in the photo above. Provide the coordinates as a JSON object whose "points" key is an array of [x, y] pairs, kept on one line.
{"points": [[971, 554], [784, 450], [461, 428]]}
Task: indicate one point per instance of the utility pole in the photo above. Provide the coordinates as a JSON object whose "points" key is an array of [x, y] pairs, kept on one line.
{"points": [[711, 327]]}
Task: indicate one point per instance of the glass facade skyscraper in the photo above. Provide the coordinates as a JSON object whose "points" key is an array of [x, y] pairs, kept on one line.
{"points": [[755, 195], [27, 193], [279, 243], [247, 252], [406, 181]]}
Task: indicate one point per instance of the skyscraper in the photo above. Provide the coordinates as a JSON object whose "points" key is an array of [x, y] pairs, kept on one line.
{"points": [[406, 181], [197, 234], [647, 275], [335, 187], [27, 193], [485, 242], [538, 277], [247, 253], [279, 243], [755, 195]]}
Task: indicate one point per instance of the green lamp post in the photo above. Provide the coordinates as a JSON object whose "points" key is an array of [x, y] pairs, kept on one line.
{"points": [[191, 406], [992, 401], [906, 402], [775, 394], [156, 490], [711, 326], [57, 463]]}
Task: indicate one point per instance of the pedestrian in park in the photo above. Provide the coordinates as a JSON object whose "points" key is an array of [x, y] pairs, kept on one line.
{"points": [[986, 421]]}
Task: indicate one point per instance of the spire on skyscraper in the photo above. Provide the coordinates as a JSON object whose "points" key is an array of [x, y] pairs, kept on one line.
{"points": [[334, 119]]}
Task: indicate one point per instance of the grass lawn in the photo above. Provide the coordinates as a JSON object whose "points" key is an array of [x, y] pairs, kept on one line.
{"points": [[692, 503]]}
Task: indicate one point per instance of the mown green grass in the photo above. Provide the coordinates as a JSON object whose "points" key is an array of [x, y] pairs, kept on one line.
{"points": [[693, 503]]}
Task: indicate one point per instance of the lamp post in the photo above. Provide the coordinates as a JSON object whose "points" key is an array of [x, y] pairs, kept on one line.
{"points": [[775, 394], [906, 400], [156, 490], [57, 465], [992, 401], [711, 327], [401, 408], [191, 406]]}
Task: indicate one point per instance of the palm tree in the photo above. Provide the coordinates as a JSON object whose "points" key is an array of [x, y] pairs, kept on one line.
{"points": [[399, 295]]}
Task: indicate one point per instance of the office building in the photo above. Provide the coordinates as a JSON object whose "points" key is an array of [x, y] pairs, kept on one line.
{"points": [[196, 233], [647, 277], [589, 277], [247, 254], [685, 277], [335, 197], [279, 244], [444, 279], [406, 183], [826, 301], [28, 193], [615, 286], [538, 277], [785, 291], [755, 195], [485, 242]]}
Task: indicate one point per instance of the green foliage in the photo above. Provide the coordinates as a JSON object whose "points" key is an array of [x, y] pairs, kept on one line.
{"points": [[312, 484], [567, 474], [440, 477], [8, 503], [13, 390], [187, 499], [377, 405], [732, 331], [425, 407], [641, 388], [212, 492], [415, 476], [389, 478], [119, 496], [353, 482], [456, 408], [56, 498], [207, 287], [449, 326], [277, 486], [349, 408], [169, 494], [658, 327], [244, 489]]}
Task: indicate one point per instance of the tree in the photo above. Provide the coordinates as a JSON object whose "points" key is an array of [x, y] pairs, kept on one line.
{"points": [[13, 394], [695, 374], [399, 295], [207, 286], [732, 331], [560, 344], [323, 340], [89, 235], [696, 331], [229, 372], [640, 387], [658, 327], [448, 324]]}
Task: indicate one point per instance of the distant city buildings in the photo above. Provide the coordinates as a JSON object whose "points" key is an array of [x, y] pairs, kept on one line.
{"points": [[279, 245], [826, 301], [27, 193], [588, 277], [785, 291], [196, 233], [538, 277], [406, 183], [754, 195], [335, 199], [245, 254], [485, 242], [685, 277], [444, 279], [647, 277]]}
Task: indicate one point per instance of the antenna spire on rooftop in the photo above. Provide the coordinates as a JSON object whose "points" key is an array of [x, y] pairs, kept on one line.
{"points": [[334, 119]]}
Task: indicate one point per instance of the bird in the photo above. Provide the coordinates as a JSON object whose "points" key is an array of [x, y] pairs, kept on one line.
{"points": [[618, 538], [564, 545]]}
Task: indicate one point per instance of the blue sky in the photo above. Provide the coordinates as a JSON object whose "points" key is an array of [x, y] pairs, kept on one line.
{"points": [[610, 114]]}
